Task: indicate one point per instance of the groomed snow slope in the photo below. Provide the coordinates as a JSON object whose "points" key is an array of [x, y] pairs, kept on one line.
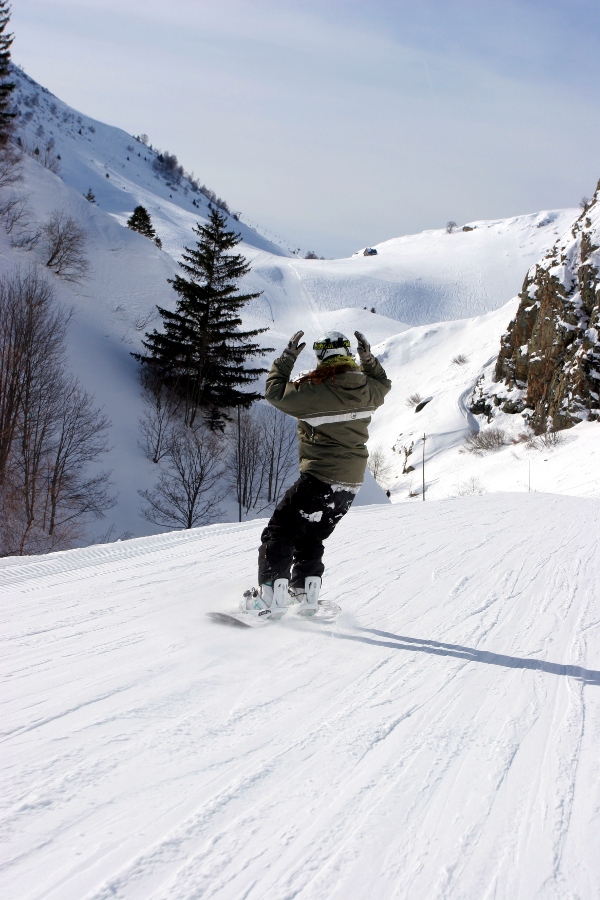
{"points": [[440, 741]]}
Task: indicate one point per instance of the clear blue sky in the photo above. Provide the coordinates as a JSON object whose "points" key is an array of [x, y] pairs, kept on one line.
{"points": [[338, 123]]}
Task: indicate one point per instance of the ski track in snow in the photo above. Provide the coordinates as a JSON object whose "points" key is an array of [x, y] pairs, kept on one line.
{"points": [[440, 740]]}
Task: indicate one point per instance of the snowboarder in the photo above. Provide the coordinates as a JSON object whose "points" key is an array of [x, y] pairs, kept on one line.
{"points": [[333, 404]]}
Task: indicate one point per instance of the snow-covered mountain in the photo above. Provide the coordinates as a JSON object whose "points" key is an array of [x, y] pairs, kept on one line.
{"points": [[440, 739], [429, 277], [116, 166], [416, 280]]}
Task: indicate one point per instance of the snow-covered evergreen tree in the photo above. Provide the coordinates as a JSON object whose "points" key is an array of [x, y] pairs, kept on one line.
{"points": [[201, 353], [141, 222], [6, 86]]}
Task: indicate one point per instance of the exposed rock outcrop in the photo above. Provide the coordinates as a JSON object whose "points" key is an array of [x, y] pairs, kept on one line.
{"points": [[548, 368]]}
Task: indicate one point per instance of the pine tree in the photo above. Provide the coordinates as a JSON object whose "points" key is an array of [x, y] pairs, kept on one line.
{"points": [[201, 352], [6, 87], [141, 222], [90, 196]]}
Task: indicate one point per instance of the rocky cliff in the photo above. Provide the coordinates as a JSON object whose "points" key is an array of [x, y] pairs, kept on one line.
{"points": [[548, 368]]}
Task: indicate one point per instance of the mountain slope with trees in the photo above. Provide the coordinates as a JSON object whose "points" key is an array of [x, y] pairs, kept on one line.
{"points": [[118, 278], [121, 171]]}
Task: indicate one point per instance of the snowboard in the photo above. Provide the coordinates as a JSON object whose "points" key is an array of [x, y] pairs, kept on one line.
{"points": [[325, 614], [239, 619]]}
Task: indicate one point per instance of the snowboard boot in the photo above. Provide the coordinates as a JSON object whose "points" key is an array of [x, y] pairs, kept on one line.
{"points": [[279, 597], [308, 596], [271, 599]]}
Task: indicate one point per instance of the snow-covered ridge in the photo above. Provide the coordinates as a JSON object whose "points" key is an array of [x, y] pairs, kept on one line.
{"points": [[427, 277], [115, 165], [415, 279]]}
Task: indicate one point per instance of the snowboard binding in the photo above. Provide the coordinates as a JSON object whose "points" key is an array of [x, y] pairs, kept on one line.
{"points": [[269, 600], [270, 603], [308, 596]]}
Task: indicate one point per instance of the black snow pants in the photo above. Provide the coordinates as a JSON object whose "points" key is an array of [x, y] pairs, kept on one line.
{"points": [[293, 539]]}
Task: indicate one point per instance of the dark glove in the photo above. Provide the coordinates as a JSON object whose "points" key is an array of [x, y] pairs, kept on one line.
{"points": [[293, 349], [364, 349]]}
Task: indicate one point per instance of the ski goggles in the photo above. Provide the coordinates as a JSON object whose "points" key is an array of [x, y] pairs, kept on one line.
{"points": [[339, 344]]}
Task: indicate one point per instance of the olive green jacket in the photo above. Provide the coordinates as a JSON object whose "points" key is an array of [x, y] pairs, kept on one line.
{"points": [[333, 418]]}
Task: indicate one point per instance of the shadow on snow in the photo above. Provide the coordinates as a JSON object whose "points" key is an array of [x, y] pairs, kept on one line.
{"points": [[416, 645]]}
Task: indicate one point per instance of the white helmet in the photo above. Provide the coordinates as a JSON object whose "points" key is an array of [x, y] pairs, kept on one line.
{"points": [[333, 343]]}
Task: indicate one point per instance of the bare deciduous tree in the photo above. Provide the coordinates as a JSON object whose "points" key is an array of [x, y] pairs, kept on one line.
{"points": [[65, 243], [26, 236], [13, 210], [471, 486], [483, 441], [48, 156], [60, 435], [15, 213], [246, 460], [262, 457], [413, 400], [187, 494], [546, 440], [10, 168], [32, 333], [252, 467], [79, 438], [50, 431], [379, 465], [161, 409], [142, 321], [42, 151], [451, 226], [280, 448]]}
